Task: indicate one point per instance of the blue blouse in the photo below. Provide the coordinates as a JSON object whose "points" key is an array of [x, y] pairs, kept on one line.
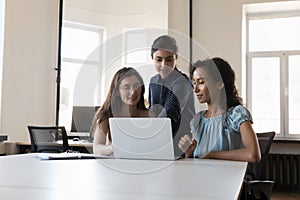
{"points": [[219, 133]]}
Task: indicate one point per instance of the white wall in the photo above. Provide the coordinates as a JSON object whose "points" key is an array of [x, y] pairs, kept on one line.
{"points": [[218, 27], [30, 48], [28, 87], [179, 21], [2, 12]]}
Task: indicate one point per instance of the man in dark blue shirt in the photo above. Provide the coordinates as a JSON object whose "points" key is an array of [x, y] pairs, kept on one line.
{"points": [[171, 91]]}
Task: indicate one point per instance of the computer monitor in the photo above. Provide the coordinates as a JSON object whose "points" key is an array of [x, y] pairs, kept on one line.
{"points": [[82, 118]]}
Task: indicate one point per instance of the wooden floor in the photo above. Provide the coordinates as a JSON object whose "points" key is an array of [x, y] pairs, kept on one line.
{"points": [[285, 196]]}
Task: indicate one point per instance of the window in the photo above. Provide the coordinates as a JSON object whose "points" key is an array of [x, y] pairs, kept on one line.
{"points": [[273, 61], [265, 100], [79, 67], [274, 34], [134, 40], [136, 44], [294, 96], [94, 47]]}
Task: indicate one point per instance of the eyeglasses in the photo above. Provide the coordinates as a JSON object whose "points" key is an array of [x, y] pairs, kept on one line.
{"points": [[128, 88]]}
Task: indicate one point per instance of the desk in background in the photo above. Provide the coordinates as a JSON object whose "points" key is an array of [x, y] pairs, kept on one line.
{"points": [[81, 146], [27, 178], [80, 135]]}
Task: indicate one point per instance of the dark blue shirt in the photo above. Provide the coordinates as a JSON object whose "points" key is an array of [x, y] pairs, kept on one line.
{"points": [[173, 97]]}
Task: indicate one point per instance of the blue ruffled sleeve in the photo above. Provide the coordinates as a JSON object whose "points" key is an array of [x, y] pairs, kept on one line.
{"points": [[236, 116]]}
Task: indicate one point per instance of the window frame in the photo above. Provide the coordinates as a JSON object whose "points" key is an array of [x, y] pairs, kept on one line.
{"points": [[86, 62], [284, 66], [85, 27]]}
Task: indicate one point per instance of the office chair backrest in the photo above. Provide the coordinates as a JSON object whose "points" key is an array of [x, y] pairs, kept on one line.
{"points": [[256, 186], [48, 138], [258, 170]]}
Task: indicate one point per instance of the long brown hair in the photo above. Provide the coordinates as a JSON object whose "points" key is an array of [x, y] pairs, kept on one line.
{"points": [[220, 70], [114, 100]]}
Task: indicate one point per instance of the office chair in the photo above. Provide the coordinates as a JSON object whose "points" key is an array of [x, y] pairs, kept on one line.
{"points": [[258, 190], [48, 139], [256, 186]]}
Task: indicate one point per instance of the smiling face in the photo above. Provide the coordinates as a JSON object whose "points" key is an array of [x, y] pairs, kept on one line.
{"points": [[130, 90], [206, 88], [200, 86], [164, 62]]}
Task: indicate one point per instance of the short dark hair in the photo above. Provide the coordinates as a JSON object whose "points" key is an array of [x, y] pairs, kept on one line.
{"points": [[164, 42]]}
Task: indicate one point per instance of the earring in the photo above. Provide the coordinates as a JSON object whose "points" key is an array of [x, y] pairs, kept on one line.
{"points": [[220, 85]]}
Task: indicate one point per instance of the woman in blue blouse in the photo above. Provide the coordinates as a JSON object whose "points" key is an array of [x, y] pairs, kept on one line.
{"points": [[171, 91], [224, 130]]}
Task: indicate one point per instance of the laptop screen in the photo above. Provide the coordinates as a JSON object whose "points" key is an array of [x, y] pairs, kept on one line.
{"points": [[142, 138]]}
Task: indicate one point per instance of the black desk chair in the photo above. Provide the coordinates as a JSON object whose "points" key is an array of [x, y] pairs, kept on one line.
{"points": [[48, 139], [256, 186]]}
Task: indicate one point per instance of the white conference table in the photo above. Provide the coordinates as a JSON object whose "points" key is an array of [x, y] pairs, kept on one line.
{"points": [[26, 177]]}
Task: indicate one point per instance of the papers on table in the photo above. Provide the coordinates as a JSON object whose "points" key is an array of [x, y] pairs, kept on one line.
{"points": [[67, 156]]}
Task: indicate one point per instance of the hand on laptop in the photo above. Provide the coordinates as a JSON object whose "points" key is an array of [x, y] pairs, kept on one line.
{"points": [[187, 145]]}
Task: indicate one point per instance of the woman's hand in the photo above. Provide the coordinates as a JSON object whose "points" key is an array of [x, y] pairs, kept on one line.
{"points": [[187, 145]]}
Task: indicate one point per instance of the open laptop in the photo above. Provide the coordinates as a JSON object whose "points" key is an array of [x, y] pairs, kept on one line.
{"points": [[142, 138]]}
